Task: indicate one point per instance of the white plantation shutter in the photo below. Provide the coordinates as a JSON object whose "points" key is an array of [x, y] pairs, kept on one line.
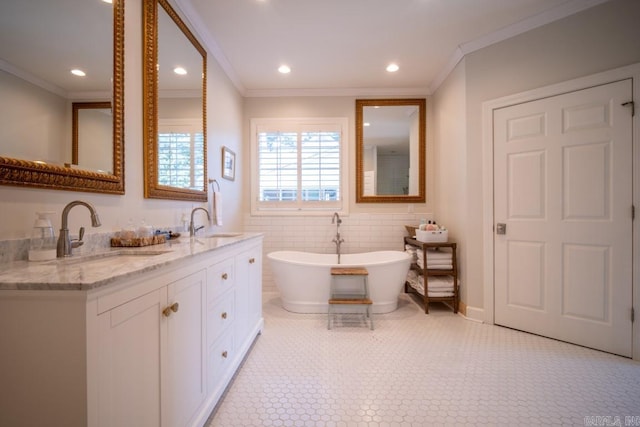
{"points": [[278, 165], [180, 154], [297, 164], [320, 164]]}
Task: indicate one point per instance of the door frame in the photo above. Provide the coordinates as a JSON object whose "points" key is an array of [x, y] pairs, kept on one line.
{"points": [[488, 107]]}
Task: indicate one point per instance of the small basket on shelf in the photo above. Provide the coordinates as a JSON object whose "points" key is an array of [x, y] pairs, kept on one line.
{"points": [[427, 236]]}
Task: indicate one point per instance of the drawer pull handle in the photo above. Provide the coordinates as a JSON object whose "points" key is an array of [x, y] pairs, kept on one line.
{"points": [[224, 315], [224, 354], [225, 276], [252, 260], [172, 308]]}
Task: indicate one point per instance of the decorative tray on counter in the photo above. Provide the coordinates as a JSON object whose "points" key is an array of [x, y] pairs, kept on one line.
{"points": [[157, 239]]}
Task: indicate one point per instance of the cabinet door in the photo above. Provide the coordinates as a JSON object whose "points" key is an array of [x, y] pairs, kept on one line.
{"points": [[248, 290], [183, 386], [129, 362]]}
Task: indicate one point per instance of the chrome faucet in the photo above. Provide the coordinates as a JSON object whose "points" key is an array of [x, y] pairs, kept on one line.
{"points": [[337, 240], [192, 228], [65, 245]]}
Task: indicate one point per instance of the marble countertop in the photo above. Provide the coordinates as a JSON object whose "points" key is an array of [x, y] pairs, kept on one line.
{"points": [[90, 271]]}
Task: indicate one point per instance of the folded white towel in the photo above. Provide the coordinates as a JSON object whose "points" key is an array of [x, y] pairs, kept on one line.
{"points": [[435, 265], [441, 281], [437, 284], [440, 294], [433, 254], [439, 267]]}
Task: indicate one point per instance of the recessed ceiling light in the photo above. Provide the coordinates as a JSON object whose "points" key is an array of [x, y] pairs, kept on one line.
{"points": [[179, 70], [284, 69], [392, 68], [77, 72]]}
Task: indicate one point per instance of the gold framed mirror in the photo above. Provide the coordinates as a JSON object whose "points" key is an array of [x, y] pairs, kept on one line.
{"points": [[174, 97], [37, 133], [91, 135], [390, 150]]}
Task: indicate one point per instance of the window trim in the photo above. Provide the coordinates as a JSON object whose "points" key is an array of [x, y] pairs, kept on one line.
{"points": [[310, 208]]}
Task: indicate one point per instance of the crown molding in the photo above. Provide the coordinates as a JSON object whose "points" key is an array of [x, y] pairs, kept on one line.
{"points": [[350, 92], [564, 10], [27, 76], [210, 43]]}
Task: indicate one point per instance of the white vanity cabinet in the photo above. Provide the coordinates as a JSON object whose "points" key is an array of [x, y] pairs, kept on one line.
{"points": [[249, 282], [151, 356], [234, 314], [154, 349]]}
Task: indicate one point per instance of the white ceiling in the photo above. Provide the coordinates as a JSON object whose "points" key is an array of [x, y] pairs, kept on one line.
{"points": [[343, 46], [334, 47]]}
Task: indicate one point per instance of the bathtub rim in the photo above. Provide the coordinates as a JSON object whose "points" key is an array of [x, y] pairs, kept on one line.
{"points": [[401, 256]]}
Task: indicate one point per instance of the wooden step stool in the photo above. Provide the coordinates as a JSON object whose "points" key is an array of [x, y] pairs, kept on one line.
{"points": [[359, 298]]}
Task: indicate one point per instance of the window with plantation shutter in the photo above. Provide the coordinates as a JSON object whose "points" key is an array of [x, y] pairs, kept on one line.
{"points": [[180, 154], [297, 164]]}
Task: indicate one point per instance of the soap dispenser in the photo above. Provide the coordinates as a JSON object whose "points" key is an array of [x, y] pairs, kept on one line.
{"points": [[42, 245]]}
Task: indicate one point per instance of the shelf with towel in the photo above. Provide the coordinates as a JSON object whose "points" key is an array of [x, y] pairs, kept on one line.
{"points": [[434, 272]]}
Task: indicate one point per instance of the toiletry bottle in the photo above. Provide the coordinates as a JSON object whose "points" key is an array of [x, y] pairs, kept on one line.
{"points": [[42, 245]]}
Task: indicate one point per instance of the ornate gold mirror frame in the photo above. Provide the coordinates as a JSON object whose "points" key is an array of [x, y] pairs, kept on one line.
{"points": [[77, 107], [151, 91], [418, 151], [42, 175]]}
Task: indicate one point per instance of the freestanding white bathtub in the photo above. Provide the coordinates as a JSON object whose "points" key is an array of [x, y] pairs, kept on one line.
{"points": [[303, 278]]}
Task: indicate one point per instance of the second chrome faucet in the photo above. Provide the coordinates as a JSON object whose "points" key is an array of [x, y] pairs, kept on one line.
{"points": [[192, 228]]}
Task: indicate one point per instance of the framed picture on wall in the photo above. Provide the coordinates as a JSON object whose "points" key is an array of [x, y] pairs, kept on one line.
{"points": [[228, 164]]}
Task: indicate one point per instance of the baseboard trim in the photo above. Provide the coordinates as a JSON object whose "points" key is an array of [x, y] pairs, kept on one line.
{"points": [[474, 313]]}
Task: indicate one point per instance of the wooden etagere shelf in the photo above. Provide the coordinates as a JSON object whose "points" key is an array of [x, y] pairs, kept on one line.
{"points": [[452, 299]]}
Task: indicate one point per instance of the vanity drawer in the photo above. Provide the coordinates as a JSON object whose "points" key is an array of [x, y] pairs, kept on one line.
{"points": [[220, 278], [220, 315], [219, 361]]}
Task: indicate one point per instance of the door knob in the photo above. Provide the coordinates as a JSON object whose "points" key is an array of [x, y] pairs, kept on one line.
{"points": [[501, 228]]}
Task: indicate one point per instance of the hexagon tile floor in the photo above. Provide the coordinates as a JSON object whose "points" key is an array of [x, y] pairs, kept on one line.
{"points": [[422, 370]]}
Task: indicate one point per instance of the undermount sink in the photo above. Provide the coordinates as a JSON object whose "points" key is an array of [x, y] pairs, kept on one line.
{"points": [[231, 234], [122, 256]]}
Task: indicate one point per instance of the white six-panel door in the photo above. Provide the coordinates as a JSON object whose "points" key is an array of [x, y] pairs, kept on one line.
{"points": [[563, 189]]}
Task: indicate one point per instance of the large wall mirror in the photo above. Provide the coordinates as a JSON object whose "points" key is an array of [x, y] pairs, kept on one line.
{"points": [[175, 148], [390, 150], [42, 42]]}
